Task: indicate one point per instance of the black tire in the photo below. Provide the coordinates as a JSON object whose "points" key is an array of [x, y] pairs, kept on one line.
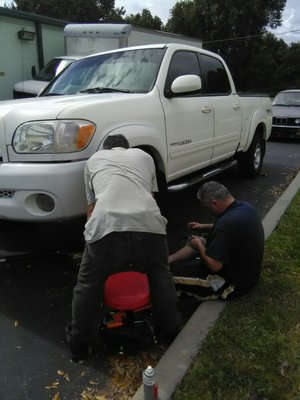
{"points": [[250, 163], [161, 196]]}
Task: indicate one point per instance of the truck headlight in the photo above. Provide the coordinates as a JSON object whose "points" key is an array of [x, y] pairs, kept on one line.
{"points": [[63, 136]]}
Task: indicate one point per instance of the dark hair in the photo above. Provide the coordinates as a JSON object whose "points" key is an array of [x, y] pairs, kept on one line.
{"points": [[212, 190], [115, 141]]}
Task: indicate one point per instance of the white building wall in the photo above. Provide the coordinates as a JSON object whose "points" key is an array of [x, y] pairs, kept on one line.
{"points": [[17, 56]]}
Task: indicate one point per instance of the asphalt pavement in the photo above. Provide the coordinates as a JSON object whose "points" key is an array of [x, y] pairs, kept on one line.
{"points": [[36, 293]]}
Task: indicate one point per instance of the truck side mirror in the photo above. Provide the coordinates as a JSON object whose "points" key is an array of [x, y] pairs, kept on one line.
{"points": [[33, 71], [185, 84]]}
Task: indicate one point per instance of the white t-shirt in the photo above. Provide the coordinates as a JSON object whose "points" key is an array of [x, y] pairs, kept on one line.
{"points": [[121, 182]]}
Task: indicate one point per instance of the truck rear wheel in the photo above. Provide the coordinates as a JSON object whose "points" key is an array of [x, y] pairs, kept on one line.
{"points": [[250, 163]]}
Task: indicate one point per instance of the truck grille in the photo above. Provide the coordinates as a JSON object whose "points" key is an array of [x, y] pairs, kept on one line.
{"points": [[6, 194], [280, 120], [285, 121]]}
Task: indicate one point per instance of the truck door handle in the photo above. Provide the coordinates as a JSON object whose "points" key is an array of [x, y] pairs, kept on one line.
{"points": [[236, 107], [206, 109]]}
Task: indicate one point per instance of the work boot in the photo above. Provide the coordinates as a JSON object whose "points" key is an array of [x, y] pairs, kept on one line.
{"points": [[79, 348]]}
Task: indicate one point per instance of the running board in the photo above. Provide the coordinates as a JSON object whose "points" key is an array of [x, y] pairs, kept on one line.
{"points": [[186, 182]]}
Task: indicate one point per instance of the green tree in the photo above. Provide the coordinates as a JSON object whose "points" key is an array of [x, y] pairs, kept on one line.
{"points": [[184, 19], [266, 68], [145, 20], [232, 28], [108, 12], [290, 67], [73, 10]]}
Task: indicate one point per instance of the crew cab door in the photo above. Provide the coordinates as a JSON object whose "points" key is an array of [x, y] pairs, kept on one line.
{"points": [[226, 107], [189, 120]]}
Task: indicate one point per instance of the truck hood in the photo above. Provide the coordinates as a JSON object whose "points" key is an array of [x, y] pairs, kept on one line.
{"points": [[286, 111], [15, 112]]}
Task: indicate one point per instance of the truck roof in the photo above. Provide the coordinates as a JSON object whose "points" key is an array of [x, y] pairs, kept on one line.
{"points": [[290, 91], [156, 46]]}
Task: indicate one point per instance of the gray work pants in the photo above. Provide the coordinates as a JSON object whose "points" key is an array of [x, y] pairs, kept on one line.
{"points": [[115, 252]]}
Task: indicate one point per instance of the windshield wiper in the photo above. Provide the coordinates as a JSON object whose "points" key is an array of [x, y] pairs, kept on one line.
{"points": [[104, 90], [286, 105]]}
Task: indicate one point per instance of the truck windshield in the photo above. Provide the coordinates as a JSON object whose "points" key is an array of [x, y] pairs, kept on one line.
{"points": [[130, 71], [287, 99]]}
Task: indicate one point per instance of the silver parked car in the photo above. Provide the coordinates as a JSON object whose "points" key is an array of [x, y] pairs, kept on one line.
{"points": [[286, 114]]}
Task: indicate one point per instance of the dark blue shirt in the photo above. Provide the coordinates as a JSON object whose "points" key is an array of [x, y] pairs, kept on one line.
{"points": [[237, 240]]}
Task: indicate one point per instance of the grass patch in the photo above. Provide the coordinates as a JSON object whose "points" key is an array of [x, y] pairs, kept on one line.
{"points": [[253, 350]]}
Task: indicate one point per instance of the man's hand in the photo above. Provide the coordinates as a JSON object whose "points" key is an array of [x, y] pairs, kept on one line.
{"points": [[199, 226], [197, 243]]}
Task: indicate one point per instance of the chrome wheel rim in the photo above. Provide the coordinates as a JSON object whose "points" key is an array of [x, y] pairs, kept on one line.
{"points": [[257, 156]]}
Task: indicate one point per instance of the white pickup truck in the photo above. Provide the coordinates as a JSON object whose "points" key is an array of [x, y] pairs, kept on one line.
{"points": [[176, 102]]}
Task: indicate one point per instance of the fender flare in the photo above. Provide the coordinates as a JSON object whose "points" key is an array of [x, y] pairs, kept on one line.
{"points": [[257, 125], [146, 138]]}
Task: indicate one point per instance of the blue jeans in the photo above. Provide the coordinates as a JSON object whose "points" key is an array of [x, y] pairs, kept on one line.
{"points": [[116, 252]]}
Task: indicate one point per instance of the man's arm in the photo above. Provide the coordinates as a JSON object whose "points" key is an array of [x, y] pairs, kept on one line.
{"points": [[198, 225], [212, 264], [90, 210], [90, 195]]}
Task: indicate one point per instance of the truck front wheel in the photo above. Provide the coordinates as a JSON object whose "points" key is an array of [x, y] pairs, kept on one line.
{"points": [[250, 163], [161, 196]]}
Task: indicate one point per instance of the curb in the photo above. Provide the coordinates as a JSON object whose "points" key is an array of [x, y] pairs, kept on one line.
{"points": [[174, 364]]}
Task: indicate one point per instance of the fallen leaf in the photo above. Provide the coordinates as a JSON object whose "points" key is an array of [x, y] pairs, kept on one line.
{"points": [[93, 383], [16, 323], [56, 397], [52, 385], [60, 372]]}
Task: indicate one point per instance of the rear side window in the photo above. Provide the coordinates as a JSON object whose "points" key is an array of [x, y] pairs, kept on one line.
{"points": [[214, 75], [182, 63]]}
